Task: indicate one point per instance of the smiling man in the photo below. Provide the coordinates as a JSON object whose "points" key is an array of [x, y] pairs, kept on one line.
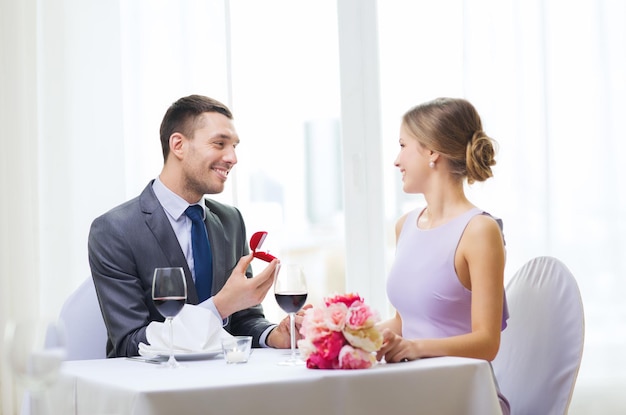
{"points": [[155, 229]]}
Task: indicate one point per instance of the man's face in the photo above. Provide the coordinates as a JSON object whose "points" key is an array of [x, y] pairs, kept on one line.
{"points": [[209, 154]]}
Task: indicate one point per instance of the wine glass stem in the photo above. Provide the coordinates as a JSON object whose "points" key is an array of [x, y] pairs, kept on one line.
{"points": [[292, 331], [171, 359]]}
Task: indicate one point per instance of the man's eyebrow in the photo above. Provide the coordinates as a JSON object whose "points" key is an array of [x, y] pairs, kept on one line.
{"points": [[223, 136]]}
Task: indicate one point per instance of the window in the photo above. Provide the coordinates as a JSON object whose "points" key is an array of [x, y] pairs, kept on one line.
{"points": [[286, 101]]}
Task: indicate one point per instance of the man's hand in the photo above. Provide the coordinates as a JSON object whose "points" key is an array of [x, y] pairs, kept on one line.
{"points": [[241, 292], [279, 338]]}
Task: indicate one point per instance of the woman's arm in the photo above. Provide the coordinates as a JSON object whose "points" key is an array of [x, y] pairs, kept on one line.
{"points": [[395, 323]]}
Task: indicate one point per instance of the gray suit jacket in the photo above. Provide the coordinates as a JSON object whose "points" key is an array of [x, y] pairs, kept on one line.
{"points": [[128, 242]]}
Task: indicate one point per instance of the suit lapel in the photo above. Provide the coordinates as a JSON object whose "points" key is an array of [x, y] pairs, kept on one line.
{"points": [[158, 223], [218, 244]]}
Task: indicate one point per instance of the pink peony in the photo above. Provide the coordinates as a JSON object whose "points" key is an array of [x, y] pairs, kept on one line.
{"points": [[335, 316], [314, 325], [351, 358], [360, 316], [316, 361], [306, 347], [330, 345], [347, 299]]}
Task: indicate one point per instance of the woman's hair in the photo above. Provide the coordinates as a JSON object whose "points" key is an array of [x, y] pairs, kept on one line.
{"points": [[182, 115], [452, 127]]}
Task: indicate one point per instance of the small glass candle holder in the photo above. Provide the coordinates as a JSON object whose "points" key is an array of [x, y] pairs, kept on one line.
{"points": [[237, 349]]}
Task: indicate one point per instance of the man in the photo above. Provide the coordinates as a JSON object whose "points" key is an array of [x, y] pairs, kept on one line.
{"points": [[126, 244]]}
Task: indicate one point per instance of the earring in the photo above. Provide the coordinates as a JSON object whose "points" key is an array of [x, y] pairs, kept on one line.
{"points": [[431, 164]]}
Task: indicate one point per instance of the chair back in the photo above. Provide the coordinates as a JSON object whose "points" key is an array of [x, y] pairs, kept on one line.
{"points": [[541, 348], [84, 326]]}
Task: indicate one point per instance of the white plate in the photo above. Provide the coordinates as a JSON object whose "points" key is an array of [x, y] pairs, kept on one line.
{"points": [[159, 358], [160, 355], [195, 356]]}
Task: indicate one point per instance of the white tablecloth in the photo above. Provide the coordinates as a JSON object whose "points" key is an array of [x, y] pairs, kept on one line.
{"points": [[441, 386]]}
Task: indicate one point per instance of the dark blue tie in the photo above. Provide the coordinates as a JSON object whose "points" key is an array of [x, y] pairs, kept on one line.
{"points": [[202, 258]]}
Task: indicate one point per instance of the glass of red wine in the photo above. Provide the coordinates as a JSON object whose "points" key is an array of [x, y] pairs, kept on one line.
{"points": [[290, 290], [169, 293]]}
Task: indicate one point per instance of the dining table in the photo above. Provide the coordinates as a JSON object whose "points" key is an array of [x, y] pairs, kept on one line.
{"points": [[208, 385]]}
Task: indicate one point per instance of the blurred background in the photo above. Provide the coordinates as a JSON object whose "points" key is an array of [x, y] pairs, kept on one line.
{"points": [[318, 88]]}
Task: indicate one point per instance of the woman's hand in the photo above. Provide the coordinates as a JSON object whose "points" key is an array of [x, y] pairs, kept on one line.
{"points": [[396, 348]]}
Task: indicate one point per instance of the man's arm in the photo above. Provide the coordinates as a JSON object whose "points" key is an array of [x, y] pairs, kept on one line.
{"points": [[121, 292]]}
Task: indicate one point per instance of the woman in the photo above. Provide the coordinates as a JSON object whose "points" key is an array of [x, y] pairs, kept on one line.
{"points": [[446, 282]]}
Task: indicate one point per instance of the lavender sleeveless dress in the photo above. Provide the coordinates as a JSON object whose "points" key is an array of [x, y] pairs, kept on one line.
{"points": [[423, 285]]}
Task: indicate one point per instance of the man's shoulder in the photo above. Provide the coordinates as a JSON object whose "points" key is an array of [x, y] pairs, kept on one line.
{"points": [[220, 208], [130, 209], [120, 214]]}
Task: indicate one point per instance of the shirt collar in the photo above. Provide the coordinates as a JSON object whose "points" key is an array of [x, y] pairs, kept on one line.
{"points": [[173, 204]]}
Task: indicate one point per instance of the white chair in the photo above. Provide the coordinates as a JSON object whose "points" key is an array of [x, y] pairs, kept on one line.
{"points": [[84, 325], [85, 332], [541, 348]]}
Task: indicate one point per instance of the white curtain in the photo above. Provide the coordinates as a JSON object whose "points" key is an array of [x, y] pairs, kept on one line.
{"points": [[84, 84]]}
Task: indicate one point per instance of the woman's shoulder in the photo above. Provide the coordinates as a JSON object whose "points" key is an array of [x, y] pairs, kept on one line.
{"points": [[413, 214], [484, 225], [494, 218], [410, 215]]}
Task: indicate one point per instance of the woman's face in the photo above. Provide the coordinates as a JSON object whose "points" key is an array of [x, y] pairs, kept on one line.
{"points": [[412, 160]]}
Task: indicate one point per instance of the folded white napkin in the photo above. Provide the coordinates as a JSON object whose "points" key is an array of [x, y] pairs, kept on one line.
{"points": [[196, 330]]}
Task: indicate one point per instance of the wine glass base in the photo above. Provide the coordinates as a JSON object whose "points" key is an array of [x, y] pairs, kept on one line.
{"points": [[171, 363], [293, 360], [166, 365]]}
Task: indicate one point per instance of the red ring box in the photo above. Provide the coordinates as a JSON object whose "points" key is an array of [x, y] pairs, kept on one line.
{"points": [[255, 243]]}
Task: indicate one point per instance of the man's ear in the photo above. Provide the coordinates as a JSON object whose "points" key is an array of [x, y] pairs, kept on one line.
{"points": [[177, 141]]}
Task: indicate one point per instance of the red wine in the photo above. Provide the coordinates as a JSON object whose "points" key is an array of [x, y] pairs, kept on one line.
{"points": [[169, 306], [290, 303]]}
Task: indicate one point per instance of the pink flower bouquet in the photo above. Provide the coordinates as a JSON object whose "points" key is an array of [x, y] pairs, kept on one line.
{"points": [[341, 334]]}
